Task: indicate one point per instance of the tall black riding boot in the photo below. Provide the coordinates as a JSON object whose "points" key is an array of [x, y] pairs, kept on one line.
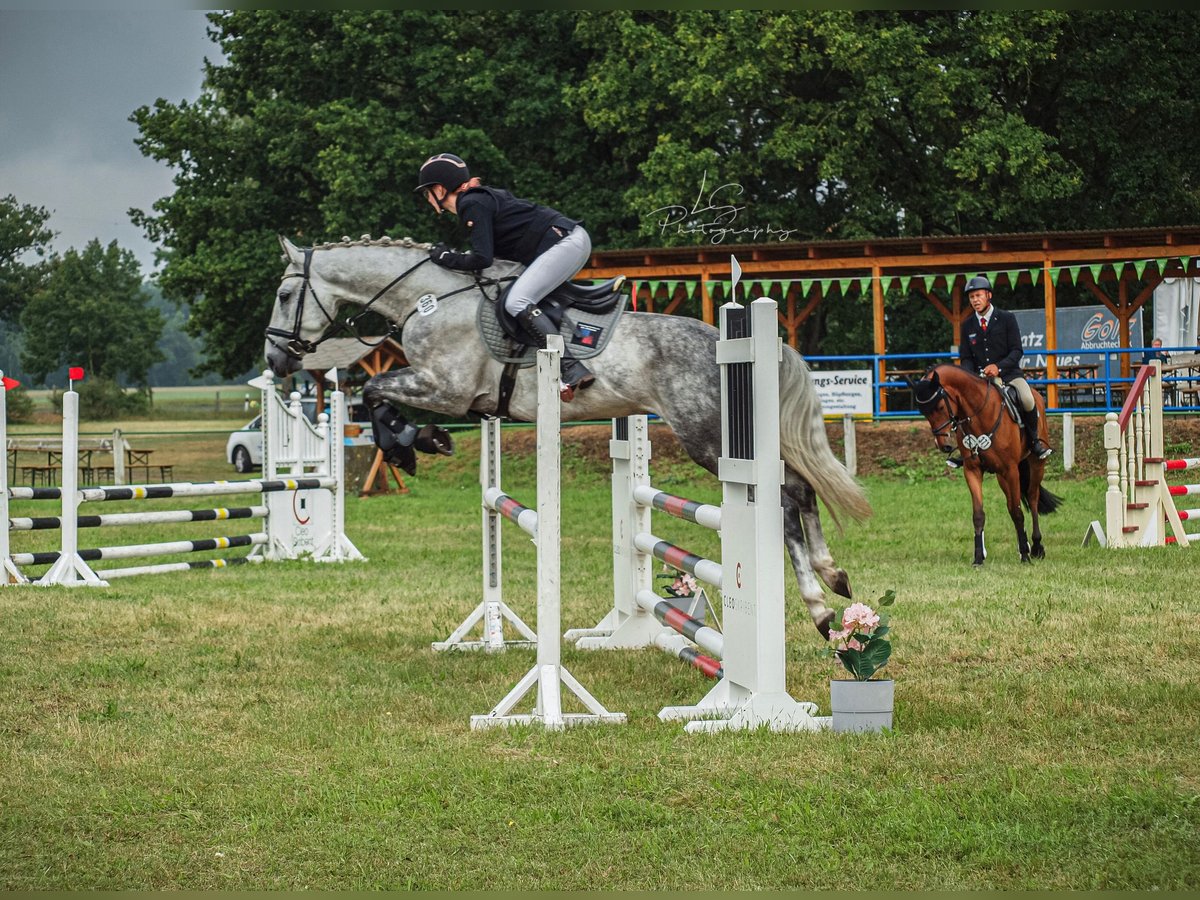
{"points": [[1036, 445], [575, 375]]}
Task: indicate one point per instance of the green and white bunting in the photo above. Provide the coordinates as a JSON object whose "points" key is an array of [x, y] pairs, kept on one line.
{"points": [[722, 289]]}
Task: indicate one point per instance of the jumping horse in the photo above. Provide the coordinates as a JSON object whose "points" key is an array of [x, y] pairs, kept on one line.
{"points": [[665, 365], [967, 411]]}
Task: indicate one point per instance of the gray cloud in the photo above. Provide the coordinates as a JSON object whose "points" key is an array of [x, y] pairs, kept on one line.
{"points": [[68, 82]]}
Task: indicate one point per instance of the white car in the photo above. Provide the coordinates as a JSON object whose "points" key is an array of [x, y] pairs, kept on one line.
{"points": [[244, 449]]}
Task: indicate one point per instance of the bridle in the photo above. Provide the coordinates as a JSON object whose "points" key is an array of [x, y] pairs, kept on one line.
{"points": [[297, 346], [975, 443]]}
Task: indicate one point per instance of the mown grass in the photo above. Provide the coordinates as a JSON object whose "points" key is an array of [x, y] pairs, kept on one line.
{"points": [[288, 726]]}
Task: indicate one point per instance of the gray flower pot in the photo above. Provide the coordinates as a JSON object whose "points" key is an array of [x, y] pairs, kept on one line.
{"points": [[861, 705]]}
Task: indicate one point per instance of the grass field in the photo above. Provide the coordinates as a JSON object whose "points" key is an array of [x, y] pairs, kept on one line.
{"points": [[287, 726]]}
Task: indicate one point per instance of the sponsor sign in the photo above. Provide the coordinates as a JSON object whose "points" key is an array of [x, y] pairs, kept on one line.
{"points": [[845, 391], [1084, 333]]}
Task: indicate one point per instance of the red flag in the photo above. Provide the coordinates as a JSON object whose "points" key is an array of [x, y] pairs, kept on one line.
{"points": [[10, 383], [75, 373]]}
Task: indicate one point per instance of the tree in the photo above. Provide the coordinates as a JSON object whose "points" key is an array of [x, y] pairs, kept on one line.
{"points": [[317, 124], [22, 231], [92, 312], [832, 124]]}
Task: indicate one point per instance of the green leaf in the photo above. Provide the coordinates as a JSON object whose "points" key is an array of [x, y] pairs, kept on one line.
{"points": [[873, 657], [888, 598]]}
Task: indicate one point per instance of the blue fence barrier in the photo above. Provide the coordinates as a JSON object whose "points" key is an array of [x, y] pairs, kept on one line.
{"points": [[1088, 389]]}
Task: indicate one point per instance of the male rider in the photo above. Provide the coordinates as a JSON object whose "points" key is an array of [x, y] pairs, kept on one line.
{"points": [[991, 345]]}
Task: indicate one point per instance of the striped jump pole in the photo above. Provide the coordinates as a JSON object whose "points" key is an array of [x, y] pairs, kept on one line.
{"points": [[667, 613], [1176, 465], [162, 568], [548, 675], [115, 520], [678, 558], [492, 612], [133, 551], [1184, 490]]}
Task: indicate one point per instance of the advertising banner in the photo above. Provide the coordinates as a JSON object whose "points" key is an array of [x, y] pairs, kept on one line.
{"points": [[846, 391], [1084, 333]]}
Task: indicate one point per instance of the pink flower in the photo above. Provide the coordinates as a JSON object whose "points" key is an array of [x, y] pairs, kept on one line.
{"points": [[861, 615], [684, 586], [839, 635], [852, 644]]}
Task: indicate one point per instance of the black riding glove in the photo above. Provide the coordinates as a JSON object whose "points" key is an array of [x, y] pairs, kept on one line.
{"points": [[452, 259], [442, 254]]}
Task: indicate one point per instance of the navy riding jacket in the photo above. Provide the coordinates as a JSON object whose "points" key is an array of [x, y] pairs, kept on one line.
{"points": [[1001, 344], [501, 225]]}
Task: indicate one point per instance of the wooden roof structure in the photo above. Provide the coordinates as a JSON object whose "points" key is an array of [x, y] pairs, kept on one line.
{"points": [[801, 275]]}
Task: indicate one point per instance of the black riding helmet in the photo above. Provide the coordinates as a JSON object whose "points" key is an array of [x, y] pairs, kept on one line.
{"points": [[445, 169], [978, 283]]}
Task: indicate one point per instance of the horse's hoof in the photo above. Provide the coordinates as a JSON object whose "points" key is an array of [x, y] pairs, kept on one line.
{"points": [[977, 563], [434, 439], [841, 584], [1025, 558], [823, 624], [1039, 552]]}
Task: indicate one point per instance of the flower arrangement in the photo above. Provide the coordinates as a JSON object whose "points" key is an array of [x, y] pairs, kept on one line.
{"points": [[683, 585], [859, 638]]}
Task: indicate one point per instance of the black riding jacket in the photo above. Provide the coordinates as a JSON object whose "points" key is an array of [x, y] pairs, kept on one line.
{"points": [[1001, 344], [501, 225]]}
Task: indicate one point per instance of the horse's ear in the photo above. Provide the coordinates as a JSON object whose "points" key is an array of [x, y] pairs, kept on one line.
{"points": [[290, 251]]}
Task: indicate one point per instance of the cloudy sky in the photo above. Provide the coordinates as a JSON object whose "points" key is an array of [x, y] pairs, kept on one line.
{"points": [[68, 83]]}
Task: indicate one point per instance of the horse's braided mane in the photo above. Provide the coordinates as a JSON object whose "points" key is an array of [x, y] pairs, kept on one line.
{"points": [[366, 241]]}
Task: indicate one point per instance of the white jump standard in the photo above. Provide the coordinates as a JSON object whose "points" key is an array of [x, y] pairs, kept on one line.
{"points": [[548, 674], [753, 691], [492, 612]]}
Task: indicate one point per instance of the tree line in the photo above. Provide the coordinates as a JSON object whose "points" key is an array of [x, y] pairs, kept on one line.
{"points": [[830, 124], [88, 307]]}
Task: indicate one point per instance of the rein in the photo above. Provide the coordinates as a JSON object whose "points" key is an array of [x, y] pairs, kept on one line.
{"points": [[297, 346], [975, 443]]}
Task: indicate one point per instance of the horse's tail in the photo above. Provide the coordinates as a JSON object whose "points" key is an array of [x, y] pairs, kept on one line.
{"points": [[805, 445], [1047, 502]]}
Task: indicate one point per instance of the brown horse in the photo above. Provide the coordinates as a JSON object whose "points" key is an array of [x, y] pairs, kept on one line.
{"points": [[959, 403]]}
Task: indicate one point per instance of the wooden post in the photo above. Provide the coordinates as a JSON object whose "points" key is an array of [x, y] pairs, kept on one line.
{"points": [[880, 332], [1051, 334], [850, 441], [706, 300], [1123, 316]]}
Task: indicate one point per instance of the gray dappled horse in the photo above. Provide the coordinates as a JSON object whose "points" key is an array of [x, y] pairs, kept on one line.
{"points": [[658, 364]]}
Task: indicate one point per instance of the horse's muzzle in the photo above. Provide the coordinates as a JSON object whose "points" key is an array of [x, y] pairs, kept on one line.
{"points": [[281, 361]]}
